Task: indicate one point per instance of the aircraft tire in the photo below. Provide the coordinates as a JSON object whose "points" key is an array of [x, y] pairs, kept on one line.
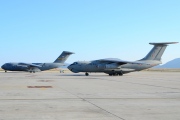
{"points": [[110, 74], [5, 71], [86, 74], [120, 74]]}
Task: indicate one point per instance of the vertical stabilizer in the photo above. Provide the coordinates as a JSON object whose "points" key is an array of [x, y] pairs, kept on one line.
{"points": [[63, 57], [157, 51]]}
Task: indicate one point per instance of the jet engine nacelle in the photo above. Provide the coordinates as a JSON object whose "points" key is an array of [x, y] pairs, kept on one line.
{"points": [[111, 66]]}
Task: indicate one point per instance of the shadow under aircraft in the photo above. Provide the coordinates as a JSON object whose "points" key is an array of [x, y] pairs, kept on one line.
{"points": [[113, 66], [37, 67]]}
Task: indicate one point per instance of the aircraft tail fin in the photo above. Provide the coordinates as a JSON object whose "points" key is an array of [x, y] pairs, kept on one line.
{"points": [[157, 51], [63, 57]]}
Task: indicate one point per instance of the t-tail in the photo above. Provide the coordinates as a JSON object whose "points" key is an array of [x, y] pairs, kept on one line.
{"points": [[63, 57], [157, 51]]}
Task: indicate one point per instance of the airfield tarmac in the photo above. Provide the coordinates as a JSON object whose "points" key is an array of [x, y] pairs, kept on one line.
{"points": [[68, 96]]}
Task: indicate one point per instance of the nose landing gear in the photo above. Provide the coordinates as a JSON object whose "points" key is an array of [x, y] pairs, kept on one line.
{"points": [[87, 74]]}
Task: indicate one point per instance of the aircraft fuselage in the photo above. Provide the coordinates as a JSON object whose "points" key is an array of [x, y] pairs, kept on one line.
{"points": [[17, 67], [95, 66]]}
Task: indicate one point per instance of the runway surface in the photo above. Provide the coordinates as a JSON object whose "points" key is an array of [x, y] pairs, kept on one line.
{"points": [[69, 96]]}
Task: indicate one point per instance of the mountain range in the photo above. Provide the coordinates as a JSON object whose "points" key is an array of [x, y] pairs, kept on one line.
{"points": [[171, 64]]}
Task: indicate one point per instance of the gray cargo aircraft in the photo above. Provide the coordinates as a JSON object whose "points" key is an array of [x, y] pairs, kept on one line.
{"points": [[113, 66], [37, 67]]}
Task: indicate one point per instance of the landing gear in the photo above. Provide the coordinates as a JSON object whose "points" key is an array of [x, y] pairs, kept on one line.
{"points": [[5, 71], [116, 74], [32, 71], [120, 74], [87, 74], [113, 74]]}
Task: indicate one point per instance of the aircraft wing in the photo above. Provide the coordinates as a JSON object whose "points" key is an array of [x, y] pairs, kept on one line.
{"points": [[29, 65], [118, 61]]}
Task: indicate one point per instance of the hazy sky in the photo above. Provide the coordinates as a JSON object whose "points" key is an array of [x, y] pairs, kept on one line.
{"points": [[39, 30]]}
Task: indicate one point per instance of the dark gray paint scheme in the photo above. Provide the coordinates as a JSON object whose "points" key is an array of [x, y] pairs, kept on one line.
{"points": [[37, 67], [114, 66]]}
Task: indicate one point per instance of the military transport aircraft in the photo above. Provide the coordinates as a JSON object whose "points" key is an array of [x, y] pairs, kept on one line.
{"points": [[37, 67], [113, 66]]}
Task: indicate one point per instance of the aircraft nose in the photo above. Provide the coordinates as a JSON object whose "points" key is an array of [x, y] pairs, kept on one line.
{"points": [[72, 69], [69, 67], [2, 66]]}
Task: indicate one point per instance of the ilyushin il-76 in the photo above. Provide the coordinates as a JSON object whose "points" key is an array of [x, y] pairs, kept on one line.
{"points": [[113, 66]]}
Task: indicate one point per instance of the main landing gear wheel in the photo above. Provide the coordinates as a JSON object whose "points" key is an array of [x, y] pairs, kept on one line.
{"points": [[116, 74], [5, 71], [113, 74], [87, 74], [121, 74]]}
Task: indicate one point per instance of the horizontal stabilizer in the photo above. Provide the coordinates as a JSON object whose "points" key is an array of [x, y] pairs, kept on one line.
{"points": [[67, 52], [163, 43]]}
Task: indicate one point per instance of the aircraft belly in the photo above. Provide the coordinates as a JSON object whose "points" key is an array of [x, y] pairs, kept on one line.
{"points": [[34, 69]]}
